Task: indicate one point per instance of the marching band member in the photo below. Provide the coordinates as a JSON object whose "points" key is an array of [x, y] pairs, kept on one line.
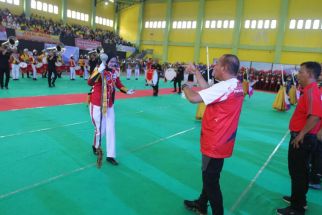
{"points": [[60, 61], [86, 72], [52, 59], [44, 61], [137, 71], [14, 59], [4, 66], [81, 63], [128, 70], [93, 62], [102, 112], [72, 67], [25, 58], [33, 60]]}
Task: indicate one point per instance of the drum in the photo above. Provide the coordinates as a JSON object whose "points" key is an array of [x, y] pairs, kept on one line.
{"points": [[77, 68], [58, 64], [170, 74], [38, 65], [23, 65]]}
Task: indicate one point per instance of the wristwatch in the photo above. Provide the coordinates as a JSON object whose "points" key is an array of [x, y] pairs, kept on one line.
{"points": [[184, 85]]}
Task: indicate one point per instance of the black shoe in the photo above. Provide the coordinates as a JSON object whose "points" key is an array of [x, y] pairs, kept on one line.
{"points": [[94, 150], [287, 199], [50, 86], [289, 211], [6, 88], [112, 161], [194, 206], [53, 84]]}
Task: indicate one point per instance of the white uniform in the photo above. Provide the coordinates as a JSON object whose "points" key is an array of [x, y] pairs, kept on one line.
{"points": [[128, 71], [15, 67], [137, 71], [108, 128]]}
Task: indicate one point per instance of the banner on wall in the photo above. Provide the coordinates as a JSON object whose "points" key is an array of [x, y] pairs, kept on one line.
{"points": [[122, 48], [87, 44], [36, 36]]}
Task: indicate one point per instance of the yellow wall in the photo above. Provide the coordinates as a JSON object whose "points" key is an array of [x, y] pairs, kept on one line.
{"points": [[157, 50], [154, 12], [308, 9], [256, 55], [267, 9], [184, 11], [105, 11], [80, 6], [180, 54], [299, 57], [55, 17], [219, 10], [14, 9], [226, 10], [213, 53], [129, 23]]}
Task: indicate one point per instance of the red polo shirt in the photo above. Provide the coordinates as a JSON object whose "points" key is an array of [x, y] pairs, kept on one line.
{"points": [[309, 104], [220, 121]]}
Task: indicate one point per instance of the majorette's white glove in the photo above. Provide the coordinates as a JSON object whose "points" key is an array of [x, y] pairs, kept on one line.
{"points": [[130, 92]]}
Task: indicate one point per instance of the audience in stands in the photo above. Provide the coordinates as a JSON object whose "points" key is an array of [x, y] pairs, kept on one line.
{"points": [[40, 24]]}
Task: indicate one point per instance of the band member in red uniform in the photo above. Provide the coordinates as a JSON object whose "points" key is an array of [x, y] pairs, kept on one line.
{"points": [[72, 65], [102, 106], [219, 128]]}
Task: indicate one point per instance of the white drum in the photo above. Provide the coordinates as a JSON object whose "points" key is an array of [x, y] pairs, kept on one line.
{"points": [[38, 65], [58, 64], [170, 74], [77, 67], [23, 65], [155, 78]]}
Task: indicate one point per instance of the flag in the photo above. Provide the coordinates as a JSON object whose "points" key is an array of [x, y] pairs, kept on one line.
{"points": [[281, 102]]}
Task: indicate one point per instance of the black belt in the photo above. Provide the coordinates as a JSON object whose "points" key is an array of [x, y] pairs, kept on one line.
{"points": [[294, 134]]}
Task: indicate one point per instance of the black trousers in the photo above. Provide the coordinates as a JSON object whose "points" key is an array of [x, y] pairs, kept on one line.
{"points": [[298, 166], [210, 185], [156, 89], [175, 82], [4, 71], [316, 164], [52, 80]]}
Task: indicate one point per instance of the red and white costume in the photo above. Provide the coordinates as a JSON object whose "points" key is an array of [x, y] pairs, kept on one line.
{"points": [[72, 65], [106, 124], [220, 120]]}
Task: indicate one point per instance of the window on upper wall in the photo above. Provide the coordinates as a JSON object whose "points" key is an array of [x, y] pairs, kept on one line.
{"points": [[219, 24], [102, 21], [155, 24], [307, 24], [260, 24], [14, 2], [77, 15], [43, 6], [184, 24]]}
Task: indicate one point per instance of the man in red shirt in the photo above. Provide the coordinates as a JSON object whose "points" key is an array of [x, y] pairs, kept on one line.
{"points": [[219, 127], [304, 126], [316, 161]]}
